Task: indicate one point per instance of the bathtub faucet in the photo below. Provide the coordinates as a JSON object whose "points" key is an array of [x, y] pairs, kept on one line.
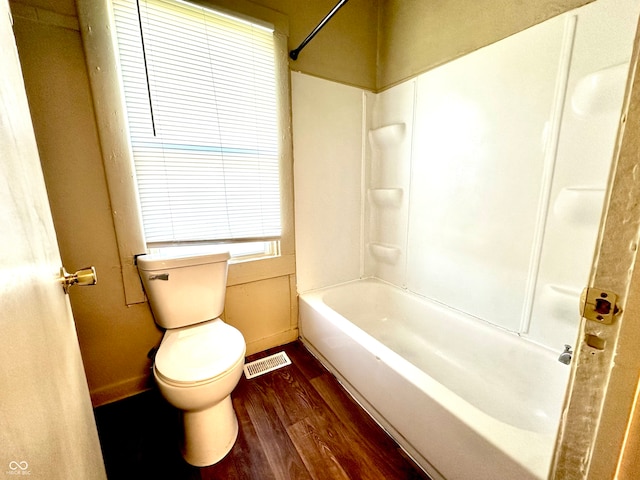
{"points": [[565, 357]]}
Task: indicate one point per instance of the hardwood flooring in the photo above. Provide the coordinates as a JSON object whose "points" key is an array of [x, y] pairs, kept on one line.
{"points": [[295, 423]]}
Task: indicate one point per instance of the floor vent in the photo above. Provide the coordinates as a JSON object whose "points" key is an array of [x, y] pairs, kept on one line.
{"points": [[266, 364]]}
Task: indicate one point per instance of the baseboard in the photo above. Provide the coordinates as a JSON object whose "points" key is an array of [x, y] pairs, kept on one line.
{"points": [[271, 341], [118, 391]]}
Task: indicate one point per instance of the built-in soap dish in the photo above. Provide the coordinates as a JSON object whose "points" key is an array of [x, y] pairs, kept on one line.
{"points": [[386, 197], [600, 92], [580, 205], [385, 253], [387, 136]]}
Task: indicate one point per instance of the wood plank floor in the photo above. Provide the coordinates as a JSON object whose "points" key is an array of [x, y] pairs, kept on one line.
{"points": [[295, 423]]}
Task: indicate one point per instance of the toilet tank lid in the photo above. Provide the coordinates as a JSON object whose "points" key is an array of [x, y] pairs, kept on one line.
{"points": [[163, 262]]}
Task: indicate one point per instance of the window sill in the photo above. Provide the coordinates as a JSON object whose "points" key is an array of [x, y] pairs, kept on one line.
{"points": [[260, 269]]}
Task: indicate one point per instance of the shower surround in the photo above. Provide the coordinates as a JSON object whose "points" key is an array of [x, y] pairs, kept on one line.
{"points": [[474, 191]]}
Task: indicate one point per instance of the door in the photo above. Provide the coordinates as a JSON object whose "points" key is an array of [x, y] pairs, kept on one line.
{"points": [[47, 428]]}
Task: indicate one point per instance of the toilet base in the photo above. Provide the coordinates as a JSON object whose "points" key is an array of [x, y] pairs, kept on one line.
{"points": [[208, 435]]}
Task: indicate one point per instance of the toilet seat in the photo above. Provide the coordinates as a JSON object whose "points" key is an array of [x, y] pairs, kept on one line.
{"points": [[199, 353]]}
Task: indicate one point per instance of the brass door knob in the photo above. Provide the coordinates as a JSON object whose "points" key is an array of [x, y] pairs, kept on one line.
{"points": [[85, 276]]}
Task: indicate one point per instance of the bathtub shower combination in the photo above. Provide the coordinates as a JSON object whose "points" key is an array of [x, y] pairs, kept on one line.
{"points": [[439, 277], [460, 397]]}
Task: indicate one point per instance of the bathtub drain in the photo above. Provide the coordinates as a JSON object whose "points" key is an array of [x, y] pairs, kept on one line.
{"points": [[266, 364]]}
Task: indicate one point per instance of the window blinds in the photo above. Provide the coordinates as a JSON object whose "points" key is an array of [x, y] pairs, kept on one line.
{"points": [[202, 109]]}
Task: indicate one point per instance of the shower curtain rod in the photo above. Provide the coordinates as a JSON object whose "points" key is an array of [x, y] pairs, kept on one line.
{"points": [[294, 53]]}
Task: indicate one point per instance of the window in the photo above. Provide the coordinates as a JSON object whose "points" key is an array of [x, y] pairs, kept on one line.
{"points": [[202, 109], [97, 25]]}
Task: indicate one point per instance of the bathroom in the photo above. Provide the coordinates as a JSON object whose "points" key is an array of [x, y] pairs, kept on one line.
{"points": [[115, 337]]}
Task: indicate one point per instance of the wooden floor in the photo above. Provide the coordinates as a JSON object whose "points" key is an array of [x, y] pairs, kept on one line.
{"points": [[295, 423]]}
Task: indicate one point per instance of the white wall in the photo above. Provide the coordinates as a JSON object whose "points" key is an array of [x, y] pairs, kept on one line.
{"points": [[327, 151], [484, 178]]}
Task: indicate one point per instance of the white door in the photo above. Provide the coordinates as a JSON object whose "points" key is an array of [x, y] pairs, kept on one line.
{"points": [[47, 428]]}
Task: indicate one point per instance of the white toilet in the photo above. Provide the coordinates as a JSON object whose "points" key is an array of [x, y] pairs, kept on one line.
{"points": [[200, 359]]}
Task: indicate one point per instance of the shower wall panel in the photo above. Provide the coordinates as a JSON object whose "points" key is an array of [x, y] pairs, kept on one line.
{"points": [[388, 178], [478, 184], [328, 121], [478, 158], [595, 90], [510, 152]]}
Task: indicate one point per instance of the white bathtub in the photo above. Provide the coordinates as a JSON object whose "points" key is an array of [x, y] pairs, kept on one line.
{"points": [[464, 399]]}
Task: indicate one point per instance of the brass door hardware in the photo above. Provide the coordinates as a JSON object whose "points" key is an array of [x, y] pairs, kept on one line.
{"points": [[599, 305], [85, 276]]}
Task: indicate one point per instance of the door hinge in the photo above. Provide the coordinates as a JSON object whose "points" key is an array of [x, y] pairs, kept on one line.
{"points": [[599, 305]]}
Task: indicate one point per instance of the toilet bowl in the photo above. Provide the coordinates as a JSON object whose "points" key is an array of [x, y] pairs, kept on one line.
{"points": [[196, 369], [200, 359]]}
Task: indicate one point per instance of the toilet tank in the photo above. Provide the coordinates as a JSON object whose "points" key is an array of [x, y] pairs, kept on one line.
{"points": [[184, 290]]}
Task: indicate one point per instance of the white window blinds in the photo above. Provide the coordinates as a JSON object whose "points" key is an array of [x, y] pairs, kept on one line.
{"points": [[202, 109]]}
